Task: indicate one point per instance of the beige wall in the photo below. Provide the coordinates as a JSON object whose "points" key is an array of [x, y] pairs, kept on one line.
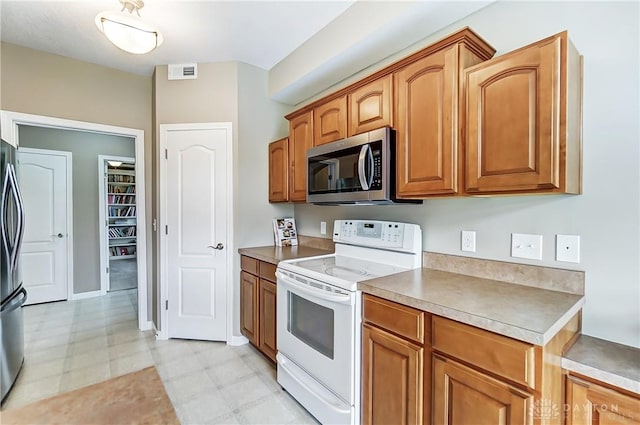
{"points": [[40, 83], [237, 93], [261, 121], [606, 215], [212, 97]]}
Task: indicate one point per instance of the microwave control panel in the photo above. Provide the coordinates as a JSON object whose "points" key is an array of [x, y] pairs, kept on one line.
{"points": [[377, 234]]}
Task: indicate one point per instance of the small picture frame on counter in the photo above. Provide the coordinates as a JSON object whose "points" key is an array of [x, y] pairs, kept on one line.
{"points": [[284, 231]]}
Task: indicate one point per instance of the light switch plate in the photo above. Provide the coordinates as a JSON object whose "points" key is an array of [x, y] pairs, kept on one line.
{"points": [[323, 227], [568, 248], [526, 246]]}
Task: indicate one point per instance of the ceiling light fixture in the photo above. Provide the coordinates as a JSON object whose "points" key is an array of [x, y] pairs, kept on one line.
{"points": [[114, 163], [127, 31]]}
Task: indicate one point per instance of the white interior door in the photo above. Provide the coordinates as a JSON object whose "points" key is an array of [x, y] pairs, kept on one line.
{"points": [[43, 179], [196, 233]]}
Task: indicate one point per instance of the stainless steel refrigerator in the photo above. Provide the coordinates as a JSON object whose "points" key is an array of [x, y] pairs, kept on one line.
{"points": [[12, 293]]}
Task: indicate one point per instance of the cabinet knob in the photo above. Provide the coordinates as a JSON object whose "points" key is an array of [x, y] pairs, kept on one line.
{"points": [[219, 246]]}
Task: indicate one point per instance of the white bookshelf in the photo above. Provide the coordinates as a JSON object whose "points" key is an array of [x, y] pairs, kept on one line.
{"points": [[121, 211]]}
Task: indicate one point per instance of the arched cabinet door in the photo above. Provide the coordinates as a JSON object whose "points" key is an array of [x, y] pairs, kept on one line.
{"points": [[300, 139], [370, 106], [279, 170], [330, 121], [522, 120]]}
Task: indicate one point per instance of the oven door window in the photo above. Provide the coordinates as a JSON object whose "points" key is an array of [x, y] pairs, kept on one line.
{"points": [[311, 323]]}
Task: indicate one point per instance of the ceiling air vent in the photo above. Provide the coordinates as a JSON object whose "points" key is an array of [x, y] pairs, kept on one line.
{"points": [[183, 71]]}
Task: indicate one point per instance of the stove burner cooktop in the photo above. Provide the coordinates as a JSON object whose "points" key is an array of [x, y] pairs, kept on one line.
{"points": [[343, 271]]}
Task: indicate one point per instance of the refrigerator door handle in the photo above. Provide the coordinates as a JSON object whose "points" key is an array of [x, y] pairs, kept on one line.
{"points": [[20, 218], [14, 303], [3, 212]]}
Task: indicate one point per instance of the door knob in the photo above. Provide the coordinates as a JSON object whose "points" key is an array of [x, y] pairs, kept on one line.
{"points": [[59, 236], [219, 246]]}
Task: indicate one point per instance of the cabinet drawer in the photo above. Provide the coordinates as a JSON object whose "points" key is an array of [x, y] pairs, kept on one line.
{"points": [[399, 319], [509, 358], [249, 264], [268, 271]]}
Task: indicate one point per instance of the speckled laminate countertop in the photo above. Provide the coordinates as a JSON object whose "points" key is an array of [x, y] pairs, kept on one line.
{"points": [[275, 254], [605, 361], [525, 313]]}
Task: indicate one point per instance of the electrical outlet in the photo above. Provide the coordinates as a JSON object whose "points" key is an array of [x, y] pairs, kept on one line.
{"points": [[568, 248], [323, 227], [468, 241], [526, 246]]}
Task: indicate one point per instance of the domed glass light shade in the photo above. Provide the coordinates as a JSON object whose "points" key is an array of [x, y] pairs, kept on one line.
{"points": [[128, 32]]}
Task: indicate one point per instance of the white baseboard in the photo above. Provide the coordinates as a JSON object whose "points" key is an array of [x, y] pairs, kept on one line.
{"points": [[84, 295], [237, 340], [161, 335], [145, 326]]}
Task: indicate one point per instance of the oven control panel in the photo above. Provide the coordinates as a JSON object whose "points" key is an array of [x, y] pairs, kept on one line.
{"points": [[378, 234]]}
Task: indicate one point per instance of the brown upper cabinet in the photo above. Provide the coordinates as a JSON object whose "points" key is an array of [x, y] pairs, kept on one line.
{"points": [[465, 124], [428, 98], [279, 170], [300, 139], [370, 106], [523, 120], [330, 121]]}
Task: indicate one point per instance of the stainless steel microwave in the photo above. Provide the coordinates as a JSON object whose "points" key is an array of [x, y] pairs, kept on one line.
{"points": [[356, 170]]}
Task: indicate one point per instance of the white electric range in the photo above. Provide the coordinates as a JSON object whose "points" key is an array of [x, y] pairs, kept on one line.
{"points": [[319, 313]]}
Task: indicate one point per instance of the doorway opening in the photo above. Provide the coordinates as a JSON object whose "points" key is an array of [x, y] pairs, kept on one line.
{"points": [[118, 214], [10, 132]]}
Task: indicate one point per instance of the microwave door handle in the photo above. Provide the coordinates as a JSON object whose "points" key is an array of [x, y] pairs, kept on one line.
{"points": [[15, 191], [362, 174], [370, 158]]}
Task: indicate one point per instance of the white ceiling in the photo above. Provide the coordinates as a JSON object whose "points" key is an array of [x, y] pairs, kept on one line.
{"points": [[352, 35]]}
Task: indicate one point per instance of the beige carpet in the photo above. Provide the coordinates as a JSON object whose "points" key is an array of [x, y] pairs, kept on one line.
{"points": [[135, 398]]}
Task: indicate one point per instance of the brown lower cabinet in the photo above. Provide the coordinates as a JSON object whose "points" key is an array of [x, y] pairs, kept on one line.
{"points": [[595, 403], [396, 363], [421, 368], [462, 395], [258, 304], [392, 378]]}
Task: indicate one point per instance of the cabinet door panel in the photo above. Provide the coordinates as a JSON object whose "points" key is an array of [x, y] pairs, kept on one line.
{"points": [[426, 125], [267, 313], [513, 121], [465, 396], [278, 171], [370, 106], [590, 403], [249, 306], [300, 139], [330, 121], [392, 371]]}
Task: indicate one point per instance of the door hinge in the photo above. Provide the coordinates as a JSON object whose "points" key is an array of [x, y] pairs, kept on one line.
{"points": [[166, 154], [107, 270], [166, 229], [166, 304]]}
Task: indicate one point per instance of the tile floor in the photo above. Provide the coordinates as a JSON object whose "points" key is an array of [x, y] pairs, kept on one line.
{"points": [[72, 344], [123, 274]]}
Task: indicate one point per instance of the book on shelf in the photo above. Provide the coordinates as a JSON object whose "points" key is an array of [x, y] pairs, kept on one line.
{"points": [[284, 232], [120, 211], [122, 232], [121, 189]]}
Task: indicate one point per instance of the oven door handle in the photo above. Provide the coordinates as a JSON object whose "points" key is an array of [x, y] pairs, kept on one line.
{"points": [[318, 293], [323, 395]]}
